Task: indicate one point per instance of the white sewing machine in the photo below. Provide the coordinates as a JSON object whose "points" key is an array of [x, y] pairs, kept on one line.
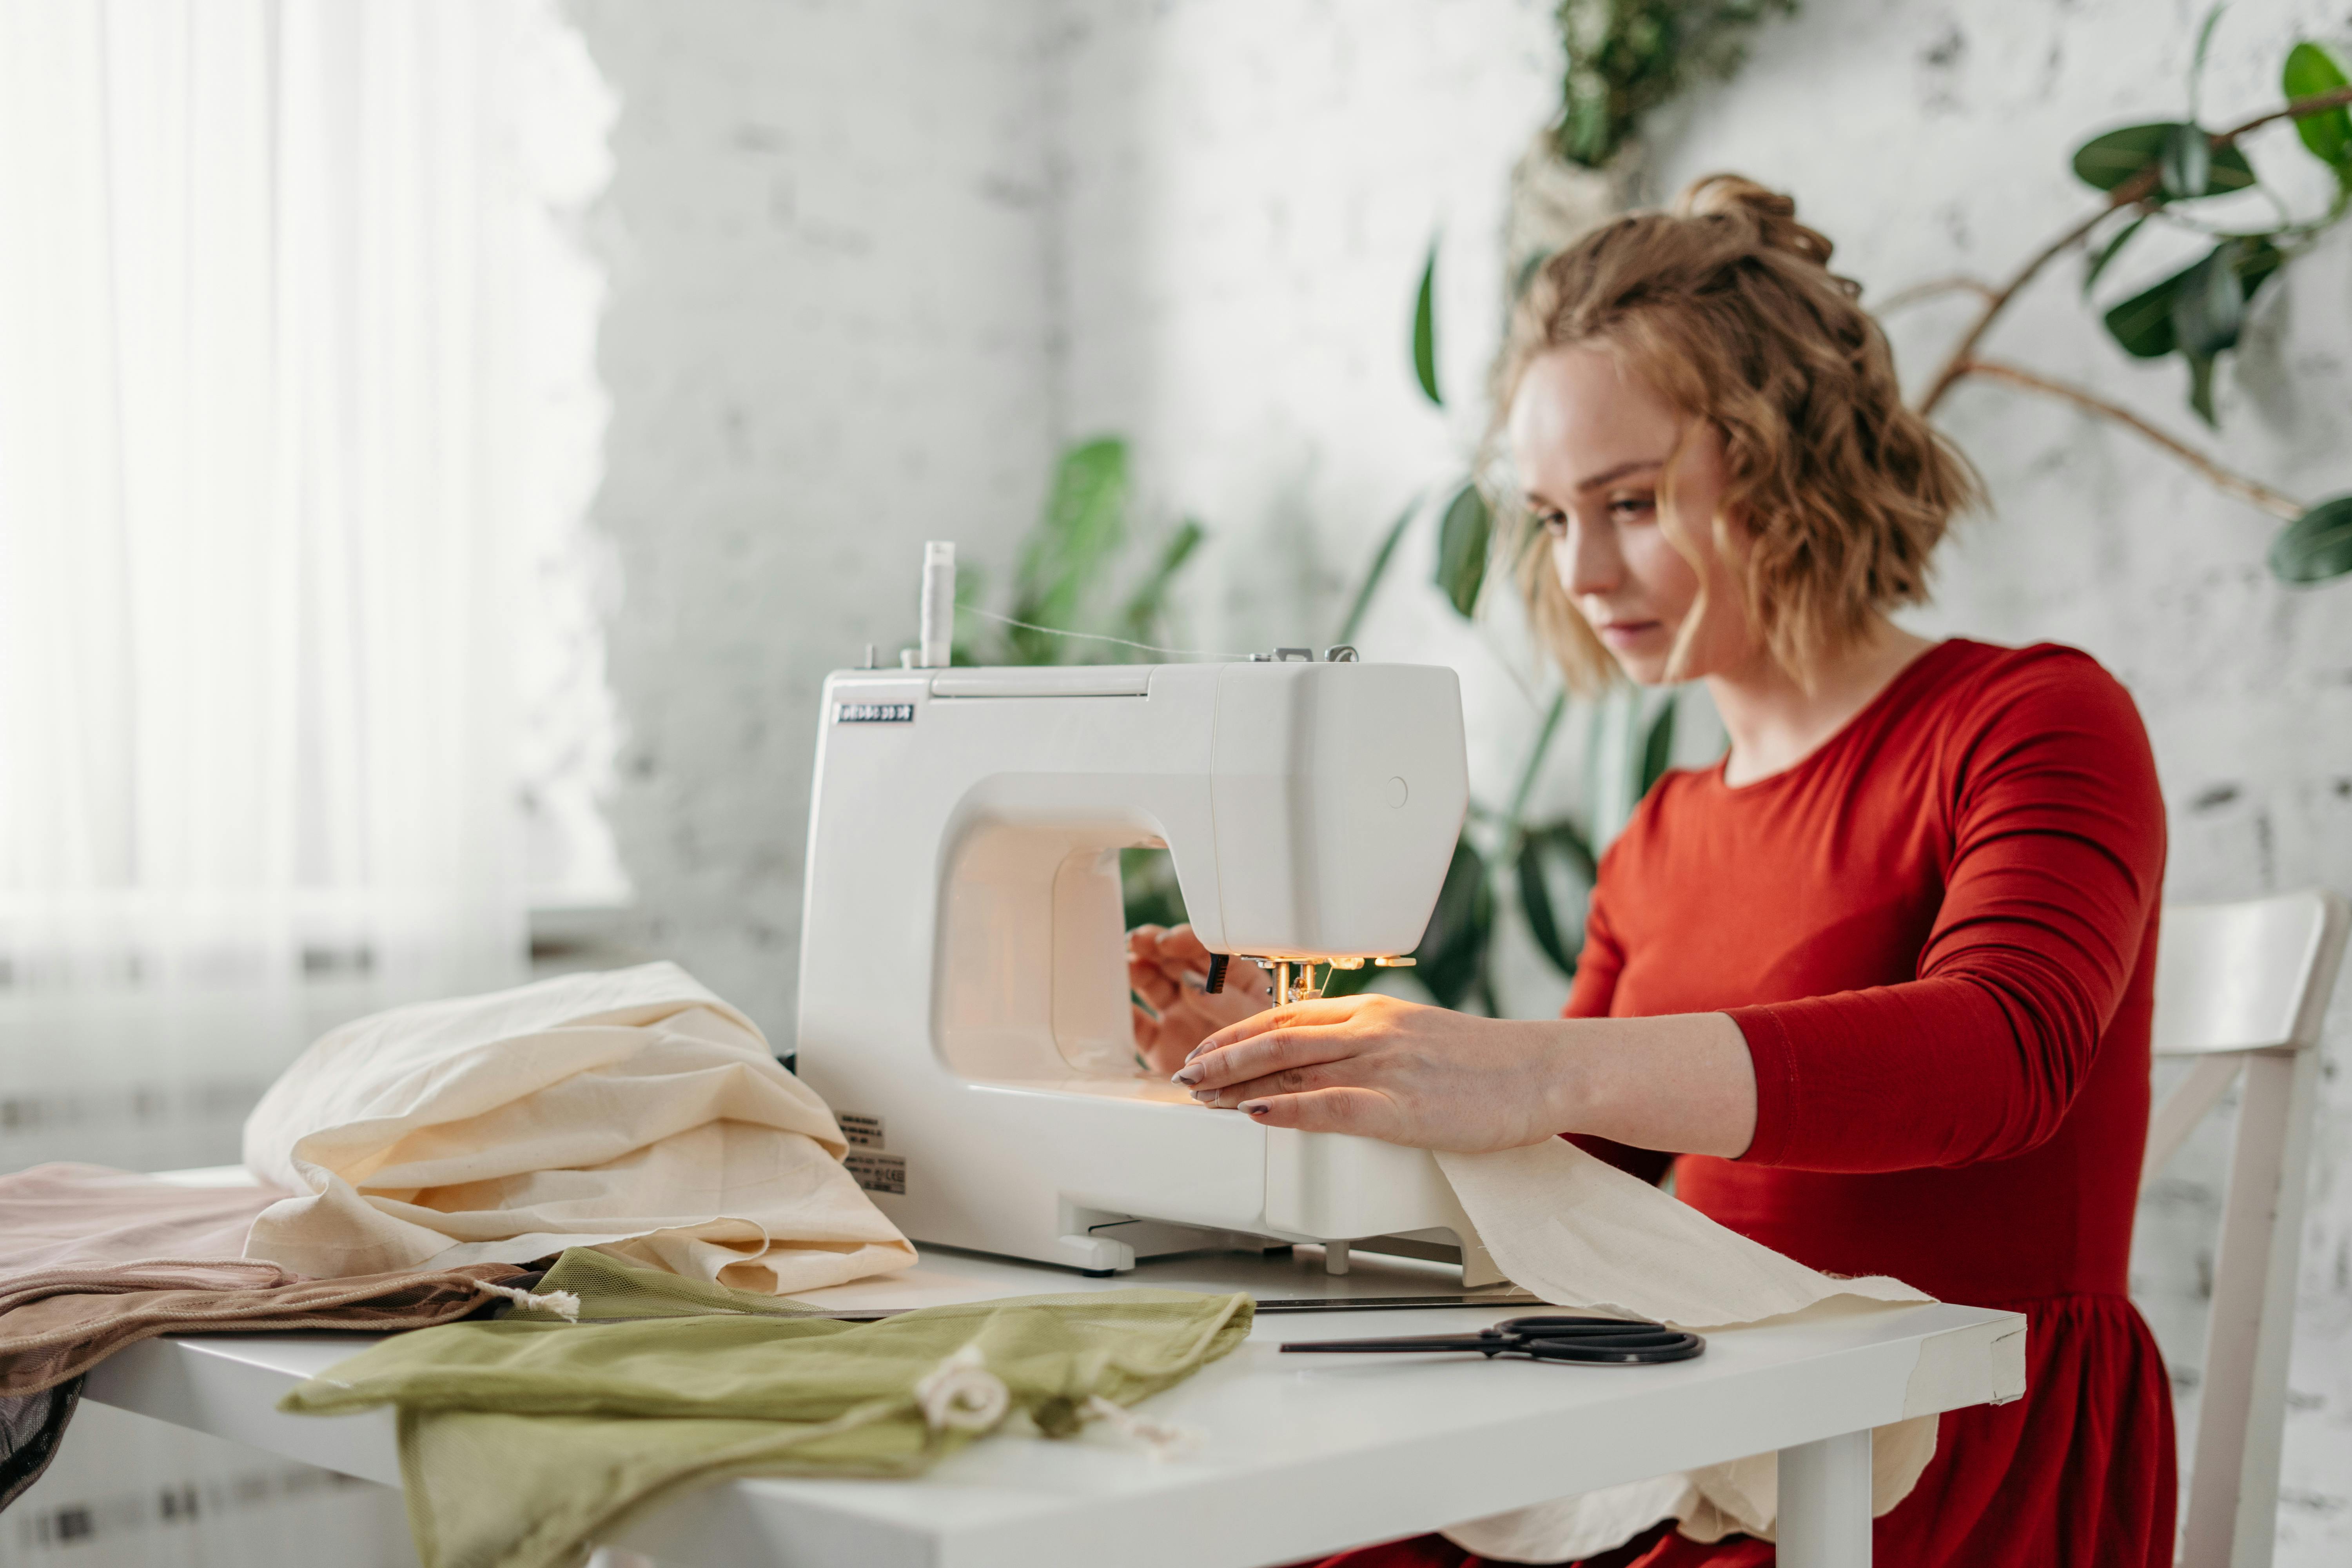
{"points": [[963, 998]]}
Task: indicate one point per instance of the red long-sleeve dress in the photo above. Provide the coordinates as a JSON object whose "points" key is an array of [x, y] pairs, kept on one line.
{"points": [[1937, 932]]}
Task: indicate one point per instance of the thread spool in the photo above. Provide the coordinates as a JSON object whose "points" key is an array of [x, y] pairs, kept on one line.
{"points": [[938, 604]]}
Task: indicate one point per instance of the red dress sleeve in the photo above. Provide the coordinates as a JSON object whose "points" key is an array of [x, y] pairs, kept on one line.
{"points": [[1596, 982], [2057, 854]]}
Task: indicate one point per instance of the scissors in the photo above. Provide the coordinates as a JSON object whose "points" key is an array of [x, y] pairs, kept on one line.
{"points": [[1608, 1341]]}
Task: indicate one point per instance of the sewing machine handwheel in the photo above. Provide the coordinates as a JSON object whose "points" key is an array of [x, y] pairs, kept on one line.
{"points": [[1218, 964]]}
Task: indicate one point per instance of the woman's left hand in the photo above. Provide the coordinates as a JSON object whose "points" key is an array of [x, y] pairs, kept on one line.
{"points": [[1392, 1069]]}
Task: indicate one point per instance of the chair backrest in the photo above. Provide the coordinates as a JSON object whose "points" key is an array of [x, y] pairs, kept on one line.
{"points": [[2246, 984]]}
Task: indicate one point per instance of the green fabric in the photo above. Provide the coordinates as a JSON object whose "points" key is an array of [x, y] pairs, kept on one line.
{"points": [[524, 1438]]}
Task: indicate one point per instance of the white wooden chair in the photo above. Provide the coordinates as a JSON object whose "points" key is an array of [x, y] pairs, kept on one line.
{"points": [[2245, 984]]}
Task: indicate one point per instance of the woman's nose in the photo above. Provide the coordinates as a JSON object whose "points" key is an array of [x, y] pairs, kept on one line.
{"points": [[1587, 560]]}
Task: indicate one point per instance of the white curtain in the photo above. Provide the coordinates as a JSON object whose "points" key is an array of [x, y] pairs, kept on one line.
{"points": [[276, 456]]}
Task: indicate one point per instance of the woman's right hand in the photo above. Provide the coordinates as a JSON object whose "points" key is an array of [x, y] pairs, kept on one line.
{"points": [[1167, 969]]}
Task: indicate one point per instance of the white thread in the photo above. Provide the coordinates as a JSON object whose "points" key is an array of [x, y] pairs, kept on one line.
{"points": [[562, 1303], [961, 1395], [1098, 637], [1162, 1439]]}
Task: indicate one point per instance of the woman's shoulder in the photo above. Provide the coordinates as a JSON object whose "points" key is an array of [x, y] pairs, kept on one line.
{"points": [[1981, 685]]}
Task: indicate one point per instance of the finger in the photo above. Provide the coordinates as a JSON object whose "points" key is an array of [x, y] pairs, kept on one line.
{"points": [[1287, 1080], [1291, 1042], [1364, 1112], [1178, 945], [1272, 1018], [1152, 983]]}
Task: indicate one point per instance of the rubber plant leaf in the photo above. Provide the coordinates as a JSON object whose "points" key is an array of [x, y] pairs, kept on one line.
{"points": [[2315, 546], [2143, 325], [1535, 902], [1452, 957], [2310, 71], [2186, 165], [1424, 330], [1464, 539], [2108, 160]]}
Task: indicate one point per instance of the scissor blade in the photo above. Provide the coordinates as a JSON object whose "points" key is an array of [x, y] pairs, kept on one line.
{"points": [[1410, 1342]]}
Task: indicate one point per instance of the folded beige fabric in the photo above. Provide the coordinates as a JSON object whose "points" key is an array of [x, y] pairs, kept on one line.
{"points": [[630, 1110], [1581, 1233], [55, 1216]]}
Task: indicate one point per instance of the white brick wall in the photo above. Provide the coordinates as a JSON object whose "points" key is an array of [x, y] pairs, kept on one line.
{"points": [[828, 339], [871, 263]]}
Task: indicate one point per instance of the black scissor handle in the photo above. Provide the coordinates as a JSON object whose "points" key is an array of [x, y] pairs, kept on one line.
{"points": [[1605, 1341]]}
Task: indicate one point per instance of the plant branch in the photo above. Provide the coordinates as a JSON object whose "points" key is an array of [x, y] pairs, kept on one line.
{"points": [[2228, 481], [2138, 188], [1928, 290]]}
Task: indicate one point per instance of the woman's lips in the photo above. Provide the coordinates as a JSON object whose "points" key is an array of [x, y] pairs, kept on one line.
{"points": [[1625, 633]]}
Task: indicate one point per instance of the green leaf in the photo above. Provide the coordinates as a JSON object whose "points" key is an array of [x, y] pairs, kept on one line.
{"points": [[2315, 546], [1071, 547], [2209, 303], [1658, 746], [2310, 71], [2185, 163], [1546, 734], [1143, 618], [1535, 902], [1375, 572], [2196, 57], [1147, 880], [1464, 539], [2200, 386], [2109, 251], [1424, 329], [2106, 160], [1452, 958], [2144, 325]]}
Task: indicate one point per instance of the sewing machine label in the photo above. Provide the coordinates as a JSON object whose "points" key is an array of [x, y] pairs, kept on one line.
{"points": [[863, 1131], [873, 712], [879, 1173]]}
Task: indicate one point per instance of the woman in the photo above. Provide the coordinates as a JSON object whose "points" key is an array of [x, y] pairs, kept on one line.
{"points": [[1878, 984]]}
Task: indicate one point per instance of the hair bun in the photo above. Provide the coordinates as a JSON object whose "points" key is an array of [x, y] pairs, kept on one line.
{"points": [[1771, 216]]}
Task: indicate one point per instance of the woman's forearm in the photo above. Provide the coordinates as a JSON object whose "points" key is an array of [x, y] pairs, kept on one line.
{"points": [[1682, 1083]]}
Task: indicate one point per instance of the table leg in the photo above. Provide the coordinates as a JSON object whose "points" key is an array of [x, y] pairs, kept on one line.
{"points": [[1825, 1503]]}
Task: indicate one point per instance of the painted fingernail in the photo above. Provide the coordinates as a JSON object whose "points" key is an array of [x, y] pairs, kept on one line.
{"points": [[1205, 1096], [1187, 1075], [1255, 1107]]}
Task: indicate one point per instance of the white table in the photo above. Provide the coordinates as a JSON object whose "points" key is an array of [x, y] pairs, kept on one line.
{"points": [[1303, 1454]]}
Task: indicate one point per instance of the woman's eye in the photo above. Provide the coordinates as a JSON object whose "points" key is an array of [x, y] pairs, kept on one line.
{"points": [[1552, 522], [1631, 509]]}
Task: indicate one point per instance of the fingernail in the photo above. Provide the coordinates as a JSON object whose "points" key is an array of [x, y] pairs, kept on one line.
{"points": [[1205, 1096], [1187, 1075], [1255, 1107]]}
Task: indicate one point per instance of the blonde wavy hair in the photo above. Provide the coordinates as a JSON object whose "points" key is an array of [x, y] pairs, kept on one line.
{"points": [[1725, 306]]}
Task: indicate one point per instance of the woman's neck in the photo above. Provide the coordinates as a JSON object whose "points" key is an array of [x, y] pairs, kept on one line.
{"points": [[1775, 723]]}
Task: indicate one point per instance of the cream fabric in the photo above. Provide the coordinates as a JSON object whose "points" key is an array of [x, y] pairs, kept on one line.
{"points": [[630, 1110], [1581, 1233]]}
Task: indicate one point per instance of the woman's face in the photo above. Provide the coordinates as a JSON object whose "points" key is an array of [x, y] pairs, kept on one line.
{"points": [[1592, 445]]}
